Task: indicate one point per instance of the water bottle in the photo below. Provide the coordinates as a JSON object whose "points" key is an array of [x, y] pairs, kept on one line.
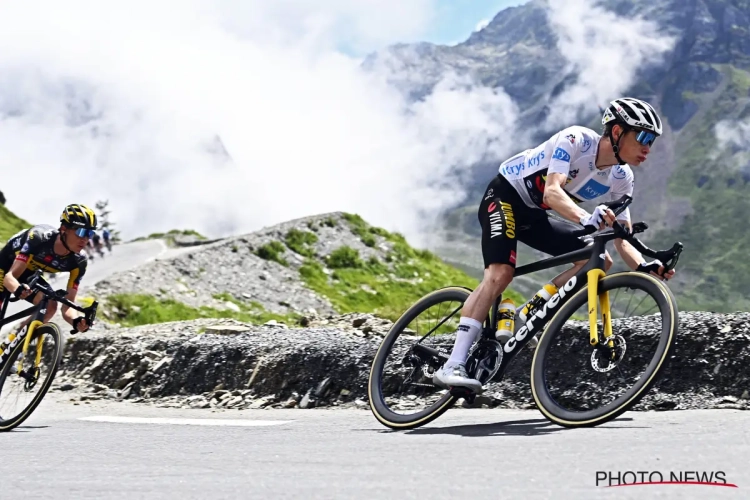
{"points": [[7, 342], [541, 297], [506, 313]]}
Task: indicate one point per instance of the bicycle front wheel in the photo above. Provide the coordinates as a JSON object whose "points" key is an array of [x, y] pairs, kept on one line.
{"points": [[26, 378], [575, 384]]}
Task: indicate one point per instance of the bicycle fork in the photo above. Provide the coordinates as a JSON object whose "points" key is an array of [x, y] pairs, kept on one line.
{"points": [[594, 275], [25, 335], [39, 345]]}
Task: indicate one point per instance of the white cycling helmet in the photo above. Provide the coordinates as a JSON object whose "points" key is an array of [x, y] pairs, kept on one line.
{"points": [[633, 112]]}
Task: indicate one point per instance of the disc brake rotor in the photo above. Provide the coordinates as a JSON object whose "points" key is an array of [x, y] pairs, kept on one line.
{"points": [[420, 373], [605, 359]]}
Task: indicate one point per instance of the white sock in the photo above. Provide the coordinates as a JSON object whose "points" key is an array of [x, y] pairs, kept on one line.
{"points": [[468, 331]]}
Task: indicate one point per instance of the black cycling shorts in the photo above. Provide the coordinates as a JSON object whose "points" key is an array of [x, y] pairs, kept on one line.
{"points": [[506, 220]]}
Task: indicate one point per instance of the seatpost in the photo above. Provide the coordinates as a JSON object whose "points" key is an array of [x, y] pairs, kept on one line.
{"points": [[493, 312]]}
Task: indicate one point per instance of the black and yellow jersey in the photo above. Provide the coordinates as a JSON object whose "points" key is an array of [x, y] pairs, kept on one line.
{"points": [[35, 247]]}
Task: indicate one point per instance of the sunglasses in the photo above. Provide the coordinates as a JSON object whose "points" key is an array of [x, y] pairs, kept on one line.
{"points": [[84, 233], [645, 137]]}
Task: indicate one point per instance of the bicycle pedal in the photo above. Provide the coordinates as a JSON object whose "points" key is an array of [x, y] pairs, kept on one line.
{"points": [[463, 392]]}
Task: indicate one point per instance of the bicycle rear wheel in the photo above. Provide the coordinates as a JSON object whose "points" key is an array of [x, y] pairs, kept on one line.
{"points": [[575, 384], [23, 381], [401, 392]]}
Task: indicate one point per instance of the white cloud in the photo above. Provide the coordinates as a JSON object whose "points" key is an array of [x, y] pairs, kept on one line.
{"points": [[482, 24], [733, 133], [363, 25], [732, 137], [306, 129], [606, 50]]}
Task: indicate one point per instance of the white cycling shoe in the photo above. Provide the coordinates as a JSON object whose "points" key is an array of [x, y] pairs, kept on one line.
{"points": [[449, 377]]}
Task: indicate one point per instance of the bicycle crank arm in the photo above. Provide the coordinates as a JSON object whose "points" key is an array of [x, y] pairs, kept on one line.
{"points": [[428, 352]]}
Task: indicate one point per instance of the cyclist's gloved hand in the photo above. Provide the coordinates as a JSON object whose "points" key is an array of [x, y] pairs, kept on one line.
{"points": [[22, 291], [595, 219], [655, 268], [80, 324]]}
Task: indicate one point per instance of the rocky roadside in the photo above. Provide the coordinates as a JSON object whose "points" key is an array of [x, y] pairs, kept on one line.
{"points": [[226, 364]]}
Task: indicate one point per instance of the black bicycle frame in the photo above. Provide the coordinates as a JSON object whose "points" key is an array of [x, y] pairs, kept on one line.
{"points": [[594, 253], [39, 310], [36, 312], [26, 312]]}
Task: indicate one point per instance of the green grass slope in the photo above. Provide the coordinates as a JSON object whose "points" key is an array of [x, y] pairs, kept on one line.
{"points": [[714, 268], [387, 287], [386, 283], [10, 224]]}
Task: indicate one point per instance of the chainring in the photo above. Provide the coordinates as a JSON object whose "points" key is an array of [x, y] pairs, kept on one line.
{"points": [[484, 360]]}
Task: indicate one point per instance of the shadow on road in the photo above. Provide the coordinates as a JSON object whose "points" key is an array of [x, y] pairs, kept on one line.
{"points": [[528, 427], [28, 428]]}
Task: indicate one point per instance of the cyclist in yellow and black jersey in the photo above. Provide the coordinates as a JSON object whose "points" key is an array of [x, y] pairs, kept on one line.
{"points": [[51, 250]]}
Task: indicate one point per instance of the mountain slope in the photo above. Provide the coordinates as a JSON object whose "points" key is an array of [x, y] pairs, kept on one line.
{"points": [[313, 265]]}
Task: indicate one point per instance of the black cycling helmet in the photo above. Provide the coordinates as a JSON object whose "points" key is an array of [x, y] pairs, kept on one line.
{"points": [[78, 216]]}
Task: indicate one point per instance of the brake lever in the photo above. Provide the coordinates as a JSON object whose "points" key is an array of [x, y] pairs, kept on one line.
{"points": [[671, 256], [620, 230], [34, 278], [619, 206], [89, 316], [32, 284]]}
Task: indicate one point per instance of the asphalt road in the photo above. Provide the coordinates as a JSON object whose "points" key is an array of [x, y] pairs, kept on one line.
{"points": [[346, 454]]}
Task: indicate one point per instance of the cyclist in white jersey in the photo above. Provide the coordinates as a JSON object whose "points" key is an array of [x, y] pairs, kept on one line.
{"points": [[574, 166]]}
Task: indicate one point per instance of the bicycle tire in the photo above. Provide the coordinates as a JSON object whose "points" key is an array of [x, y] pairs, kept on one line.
{"points": [[668, 308], [378, 406], [54, 331]]}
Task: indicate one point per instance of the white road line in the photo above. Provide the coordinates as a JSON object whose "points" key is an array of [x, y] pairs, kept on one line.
{"points": [[186, 421]]}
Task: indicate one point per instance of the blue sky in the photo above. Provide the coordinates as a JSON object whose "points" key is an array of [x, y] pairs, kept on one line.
{"points": [[456, 19]]}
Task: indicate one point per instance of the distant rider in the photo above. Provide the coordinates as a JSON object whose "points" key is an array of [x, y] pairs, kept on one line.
{"points": [[105, 237]]}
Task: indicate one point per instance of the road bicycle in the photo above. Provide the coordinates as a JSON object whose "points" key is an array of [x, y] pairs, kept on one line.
{"points": [[582, 353], [30, 358]]}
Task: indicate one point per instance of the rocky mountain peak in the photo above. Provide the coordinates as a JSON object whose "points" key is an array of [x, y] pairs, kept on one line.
{"points": [[701, 79]]}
